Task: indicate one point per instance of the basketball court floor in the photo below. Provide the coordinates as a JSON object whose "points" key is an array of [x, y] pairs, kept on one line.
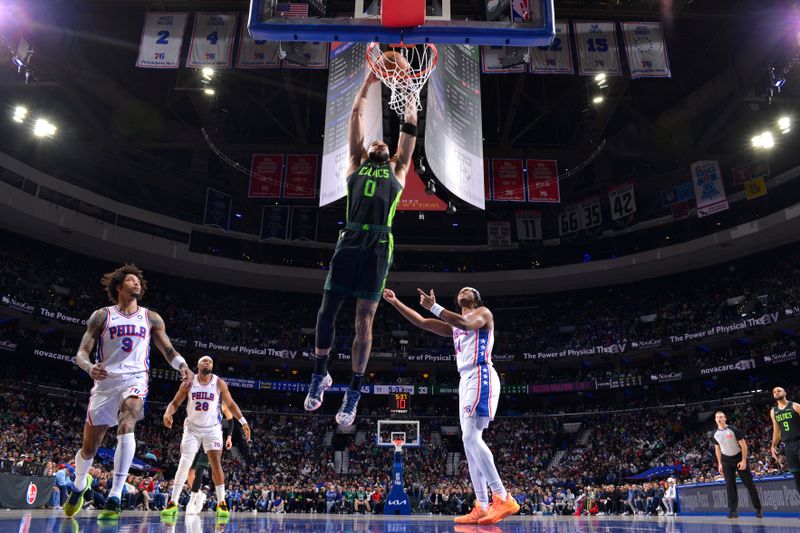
{"points": [[140, 522]]}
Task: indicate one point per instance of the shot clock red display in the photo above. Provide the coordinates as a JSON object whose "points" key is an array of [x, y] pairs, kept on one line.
{"points": [[399, 403]]}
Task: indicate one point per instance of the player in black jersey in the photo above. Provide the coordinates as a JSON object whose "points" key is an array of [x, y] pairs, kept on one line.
{"points": [[363, 253], [786, 427]]}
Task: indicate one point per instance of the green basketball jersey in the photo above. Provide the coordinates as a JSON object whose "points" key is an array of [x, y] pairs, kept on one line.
{"points": [[373, 193], [788, 421]]}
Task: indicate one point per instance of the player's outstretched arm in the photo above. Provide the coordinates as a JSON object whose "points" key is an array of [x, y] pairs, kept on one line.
{"points": [[228, 401], [407, 142], [357, 128], [175, 360], [176, 402], [94, 328], [428, 324], [481, 318]]}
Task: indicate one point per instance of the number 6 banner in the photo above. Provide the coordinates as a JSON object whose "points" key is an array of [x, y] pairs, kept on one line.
{"points": [[162, 38], [597, 48], [623, 201], [212, 40]]}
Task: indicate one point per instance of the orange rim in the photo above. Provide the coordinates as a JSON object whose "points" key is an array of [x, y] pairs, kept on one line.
{"points": [[414, 75]]}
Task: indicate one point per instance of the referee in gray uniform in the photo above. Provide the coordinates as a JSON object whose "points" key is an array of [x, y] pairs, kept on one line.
{"points": [[731, 450]]}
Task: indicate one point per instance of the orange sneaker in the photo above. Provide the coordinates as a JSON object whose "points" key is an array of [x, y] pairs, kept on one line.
{"points": [[472, 518], [500, 509]]}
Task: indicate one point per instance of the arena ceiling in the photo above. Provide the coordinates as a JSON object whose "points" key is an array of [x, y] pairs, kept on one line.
{"points": [[139, 131]]}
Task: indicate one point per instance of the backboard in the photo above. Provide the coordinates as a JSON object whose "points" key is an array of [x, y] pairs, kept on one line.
{"points": [[529, 23], [388, 430]]}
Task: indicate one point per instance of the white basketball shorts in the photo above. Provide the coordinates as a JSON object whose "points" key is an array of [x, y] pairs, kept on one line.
{"points": [[107, 396]]}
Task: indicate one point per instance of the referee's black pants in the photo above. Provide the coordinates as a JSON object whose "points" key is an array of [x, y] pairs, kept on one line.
{"points": [[729, 470]]}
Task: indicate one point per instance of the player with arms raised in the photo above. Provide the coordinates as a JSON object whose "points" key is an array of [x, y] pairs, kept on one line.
{"points": [[363, 253], [122, 333], [203, 425], [478, 391]]}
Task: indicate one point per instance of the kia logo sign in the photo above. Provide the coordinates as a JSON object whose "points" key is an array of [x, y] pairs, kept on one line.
{"points": [[30, 496]]}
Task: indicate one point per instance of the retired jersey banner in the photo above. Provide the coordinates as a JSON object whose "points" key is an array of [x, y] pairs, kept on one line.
{"points": [[256, 54], [543, 181], [212, 40], [598, 51], [755, 188], [646, 50], [498, 233], [591, 213], [529, 225], [556, 58], [709, 191], [306, 55], [301, 176], [622, 200], [162, 38], [266, 171], [508, 179], [569, 220], [503, 59]]}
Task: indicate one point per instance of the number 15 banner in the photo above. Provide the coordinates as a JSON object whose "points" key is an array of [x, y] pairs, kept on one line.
{"points": [[162, 38], [212, 40], [597, 48]]}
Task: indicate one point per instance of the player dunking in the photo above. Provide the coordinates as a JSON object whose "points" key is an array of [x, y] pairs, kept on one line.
{"points": [[786, 427], [203, 425], [478, 391], [363, 253], [122, 333]]}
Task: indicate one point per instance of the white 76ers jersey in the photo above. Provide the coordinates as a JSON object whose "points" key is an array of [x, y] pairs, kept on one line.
{"points": [[203, 407], [124, 344], [473, 348]]}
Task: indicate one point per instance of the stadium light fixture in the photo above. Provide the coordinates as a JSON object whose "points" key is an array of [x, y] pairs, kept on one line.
{"points": [[20, 112], [209, 92], [597, 100], [600, 78], [785, 124], [208, 73], [767, 140], [43, 128]]}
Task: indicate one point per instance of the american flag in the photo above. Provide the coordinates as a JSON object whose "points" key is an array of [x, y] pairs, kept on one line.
{"points": [[291, 9]]}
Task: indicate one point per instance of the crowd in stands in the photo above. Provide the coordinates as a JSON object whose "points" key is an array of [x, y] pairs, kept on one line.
{"points": [[653, 309]]}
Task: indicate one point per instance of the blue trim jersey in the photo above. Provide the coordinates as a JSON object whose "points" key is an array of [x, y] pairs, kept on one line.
{"points": [[124, 345], [473, 348], [203, 406]]}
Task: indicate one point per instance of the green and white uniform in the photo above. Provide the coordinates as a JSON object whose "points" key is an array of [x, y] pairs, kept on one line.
{"points": [[363, 253]]}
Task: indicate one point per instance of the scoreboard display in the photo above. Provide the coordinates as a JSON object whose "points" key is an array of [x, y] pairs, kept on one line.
{"points": [[399, 403]]}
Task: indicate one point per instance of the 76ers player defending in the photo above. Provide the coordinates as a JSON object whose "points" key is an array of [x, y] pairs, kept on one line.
{"points": [[478, 392], [122, 333], [203, 425]]}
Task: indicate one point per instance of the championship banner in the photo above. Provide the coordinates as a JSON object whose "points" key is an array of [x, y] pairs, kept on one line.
{"points": [[755, 188], [218, 209], [454, 128], [487, 181], [503, 59], [313, 56], [622, 200], [508, 180], [347, 72], [543, 185], [266, 171], [212, 40], [162, 39], [301, 176], [646, 50], [274, 222], [529, 225], [556, 58], [598, 52], [256, 54], [498, 233], [709, 190]]}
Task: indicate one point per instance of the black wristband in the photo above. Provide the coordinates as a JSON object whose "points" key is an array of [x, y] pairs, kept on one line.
{"points": [[409, 129]]}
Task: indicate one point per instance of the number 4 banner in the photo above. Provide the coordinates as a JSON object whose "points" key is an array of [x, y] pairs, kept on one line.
{"points": [[597, 48], [162, 38], [623, 200], [212, 40]]}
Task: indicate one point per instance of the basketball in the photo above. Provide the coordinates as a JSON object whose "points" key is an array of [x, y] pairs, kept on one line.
{"points": [[394, 63]]}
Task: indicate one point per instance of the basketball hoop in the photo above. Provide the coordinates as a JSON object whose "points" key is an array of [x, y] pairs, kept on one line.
{"points": [[398, 444], [405, 78]]}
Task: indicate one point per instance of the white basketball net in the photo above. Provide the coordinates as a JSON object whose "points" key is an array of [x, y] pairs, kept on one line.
{"points": [[404, 82]]}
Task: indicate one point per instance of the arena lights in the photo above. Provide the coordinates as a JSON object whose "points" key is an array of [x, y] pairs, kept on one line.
{"points": [[43, 128], [785, 124], [601, 80], [597, 100], [765, 140], [209, 91], [20, 112], [207, 73]]}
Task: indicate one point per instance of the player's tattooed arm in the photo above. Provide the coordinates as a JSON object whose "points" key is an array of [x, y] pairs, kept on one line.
{"points": [[94, 328], [175, 360]]}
